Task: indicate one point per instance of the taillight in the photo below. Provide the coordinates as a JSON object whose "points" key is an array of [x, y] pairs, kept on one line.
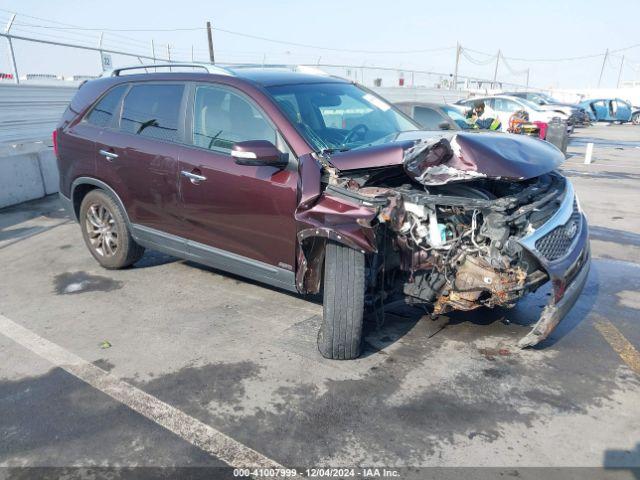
{"points": [[54, 136]]}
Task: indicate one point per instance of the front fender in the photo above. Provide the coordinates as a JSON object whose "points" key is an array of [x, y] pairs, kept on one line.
{"points": [[330, 219]]}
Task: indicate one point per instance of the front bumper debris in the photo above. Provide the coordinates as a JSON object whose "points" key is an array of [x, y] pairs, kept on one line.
{"points": [[556, 309], [567, 264]]}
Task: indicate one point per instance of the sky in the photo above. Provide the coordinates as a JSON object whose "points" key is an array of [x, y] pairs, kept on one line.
{"points": [[395, 34]]}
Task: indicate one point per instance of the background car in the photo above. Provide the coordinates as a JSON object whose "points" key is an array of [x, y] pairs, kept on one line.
{"points": [[608, 109], [505, 106], [435, 116], [577, 115]]}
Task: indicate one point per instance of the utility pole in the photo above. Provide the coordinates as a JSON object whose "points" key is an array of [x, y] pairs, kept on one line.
{"points": [[455, 72], [604, 62], [495, 72], [16, 79], [192, 59], [620, 72], [169, 55], [210, 40], [527, 79]]}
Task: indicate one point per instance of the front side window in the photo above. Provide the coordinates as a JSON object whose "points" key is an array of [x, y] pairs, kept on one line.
{"points": [[222, 118], [103, 113], [152, 111], [339, 116]]}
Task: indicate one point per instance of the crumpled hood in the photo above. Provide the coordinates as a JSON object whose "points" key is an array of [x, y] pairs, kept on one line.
{"points": [[492, 155]]}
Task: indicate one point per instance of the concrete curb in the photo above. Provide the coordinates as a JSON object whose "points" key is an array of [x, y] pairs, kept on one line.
{"points": [[27, 176]]}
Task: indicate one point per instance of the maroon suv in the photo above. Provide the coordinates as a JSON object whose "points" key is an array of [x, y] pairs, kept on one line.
{"points": [[311, 183]]}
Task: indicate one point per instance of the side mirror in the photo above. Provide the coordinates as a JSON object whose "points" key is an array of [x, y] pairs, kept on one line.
{"points": [[444, 126], [259, 153]]}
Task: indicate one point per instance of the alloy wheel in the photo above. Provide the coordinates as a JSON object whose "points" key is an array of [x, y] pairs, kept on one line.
{"points": [[101, 229]]}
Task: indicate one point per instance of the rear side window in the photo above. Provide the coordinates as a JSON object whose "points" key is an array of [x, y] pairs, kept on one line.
{"points": [[103, 113], [222, 118], [152, 111], [428, 118], [504, 105]]}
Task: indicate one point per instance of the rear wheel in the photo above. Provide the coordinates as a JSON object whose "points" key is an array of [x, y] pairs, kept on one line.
{"points": [[106, 232], [340, 334]]}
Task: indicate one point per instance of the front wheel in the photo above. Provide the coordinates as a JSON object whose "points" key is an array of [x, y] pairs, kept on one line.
{"points": [[340, 334], [635, 119]]}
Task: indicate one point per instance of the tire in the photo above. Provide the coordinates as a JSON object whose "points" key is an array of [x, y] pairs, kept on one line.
{"points": [[340, 334], [635, 119], [106, 232]]}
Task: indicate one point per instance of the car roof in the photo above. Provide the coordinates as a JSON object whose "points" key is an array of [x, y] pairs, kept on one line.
{"points": [[484, 97], [262, 75]]}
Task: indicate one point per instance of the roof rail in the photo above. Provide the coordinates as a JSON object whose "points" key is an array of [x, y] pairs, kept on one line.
{"points": [[214, 69]]}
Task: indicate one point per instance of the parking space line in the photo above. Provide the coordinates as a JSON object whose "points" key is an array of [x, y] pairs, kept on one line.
{"points": [[199, 434], [619, 343]]}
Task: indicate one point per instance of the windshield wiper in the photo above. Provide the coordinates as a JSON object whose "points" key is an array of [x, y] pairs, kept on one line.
{"points": [[331, 150]]}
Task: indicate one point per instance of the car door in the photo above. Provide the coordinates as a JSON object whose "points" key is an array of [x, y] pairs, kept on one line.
{"points": [[138, 157], [82, 137], [245, 211], [504, 108], [623, 110], [600, 110]]}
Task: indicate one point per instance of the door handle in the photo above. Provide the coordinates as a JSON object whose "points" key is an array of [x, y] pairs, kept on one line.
{"points": [[108, 155], [194, 177]]}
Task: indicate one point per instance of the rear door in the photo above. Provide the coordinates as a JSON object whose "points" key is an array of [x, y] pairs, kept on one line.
{"points": [[504, 109], [138, 156], [245, 210], [80, 139], [623, 110]]}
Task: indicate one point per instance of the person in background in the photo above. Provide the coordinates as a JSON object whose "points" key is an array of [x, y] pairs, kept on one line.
{"points": [[482, 117]]}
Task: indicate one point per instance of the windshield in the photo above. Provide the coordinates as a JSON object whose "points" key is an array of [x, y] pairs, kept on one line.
{"points": [[546, 98], [339, 116], [530, 104]]}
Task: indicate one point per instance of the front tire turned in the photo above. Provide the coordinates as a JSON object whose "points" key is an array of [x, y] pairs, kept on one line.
{"points": [[340, 335]]}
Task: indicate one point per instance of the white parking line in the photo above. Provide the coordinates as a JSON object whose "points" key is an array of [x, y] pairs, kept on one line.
{"points": [[203, 436]]}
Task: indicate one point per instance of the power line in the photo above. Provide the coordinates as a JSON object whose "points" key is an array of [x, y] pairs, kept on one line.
{"points": [[475, 61], [11, 12], [68, 26]]}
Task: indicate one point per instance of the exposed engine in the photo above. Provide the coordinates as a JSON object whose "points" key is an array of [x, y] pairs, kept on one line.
{"points": [[449, 244]]}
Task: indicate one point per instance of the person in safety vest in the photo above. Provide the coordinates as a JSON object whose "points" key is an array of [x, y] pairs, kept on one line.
{"points": [[482, 117]]}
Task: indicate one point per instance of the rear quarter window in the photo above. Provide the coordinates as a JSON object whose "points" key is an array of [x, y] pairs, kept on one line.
{"points": [[152, 111], [102, 114]]}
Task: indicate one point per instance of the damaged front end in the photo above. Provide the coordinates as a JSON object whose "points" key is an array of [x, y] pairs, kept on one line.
{"points": [[456, 222]]}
